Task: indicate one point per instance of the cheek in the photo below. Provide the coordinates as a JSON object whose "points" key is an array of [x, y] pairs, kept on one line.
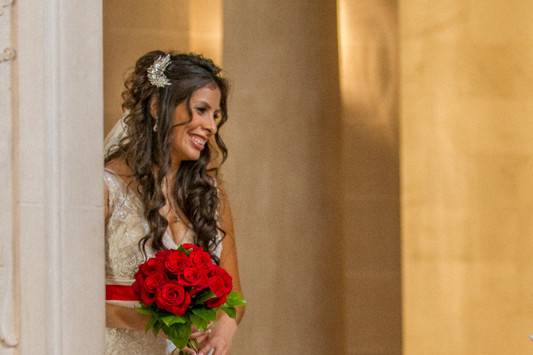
{"points": [[178, 137]]}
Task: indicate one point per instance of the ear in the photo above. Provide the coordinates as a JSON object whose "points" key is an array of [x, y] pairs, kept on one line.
{"points": [[153, 106]]}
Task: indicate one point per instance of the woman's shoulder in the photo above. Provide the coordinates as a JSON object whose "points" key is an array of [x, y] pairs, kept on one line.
{"points": [[119, 176], [120, 169], [118, 166]]}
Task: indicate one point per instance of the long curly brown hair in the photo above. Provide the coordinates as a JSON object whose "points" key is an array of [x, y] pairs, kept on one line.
{"points": [[147, 152]]}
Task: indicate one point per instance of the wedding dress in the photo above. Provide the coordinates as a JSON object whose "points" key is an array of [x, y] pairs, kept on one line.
{"points": [[125, 226]]}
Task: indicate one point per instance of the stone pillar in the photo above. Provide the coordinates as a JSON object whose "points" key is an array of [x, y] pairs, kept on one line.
{"points": [[369, 176], [9, 305], [57, 177], [281, 57], [467, 172]]}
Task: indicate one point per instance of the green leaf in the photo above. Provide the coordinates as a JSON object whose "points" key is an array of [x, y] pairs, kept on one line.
{"points": [[235, 299], [230, 311], [186, 251], [143, 310], [199, 322], [179, 334], [206, 313], [150, 324], [157, 327], [172, 319], [204, 297]]}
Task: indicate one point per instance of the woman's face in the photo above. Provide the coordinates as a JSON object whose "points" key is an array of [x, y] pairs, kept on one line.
{"points": [[187, 141]]}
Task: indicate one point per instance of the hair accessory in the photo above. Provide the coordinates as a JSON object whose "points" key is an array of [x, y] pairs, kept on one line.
{"points": [[156, 71]]}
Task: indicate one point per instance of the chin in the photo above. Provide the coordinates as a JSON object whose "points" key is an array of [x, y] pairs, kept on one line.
{"points": [[193, 156]]}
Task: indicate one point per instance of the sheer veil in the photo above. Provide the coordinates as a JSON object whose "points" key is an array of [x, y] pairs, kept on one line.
{"points": [[113, 138]]}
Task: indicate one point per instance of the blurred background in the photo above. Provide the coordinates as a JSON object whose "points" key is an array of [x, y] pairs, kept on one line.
{"points": [[380, 161]]}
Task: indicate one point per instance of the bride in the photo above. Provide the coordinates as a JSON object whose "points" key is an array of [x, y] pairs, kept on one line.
{"points": [[162, 188]]}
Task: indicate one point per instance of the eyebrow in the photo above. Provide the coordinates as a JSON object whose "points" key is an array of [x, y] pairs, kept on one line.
{"points": [[207, 104]]}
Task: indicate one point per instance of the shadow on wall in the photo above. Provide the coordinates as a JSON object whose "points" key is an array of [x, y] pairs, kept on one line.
{"points": [[370, 176]]}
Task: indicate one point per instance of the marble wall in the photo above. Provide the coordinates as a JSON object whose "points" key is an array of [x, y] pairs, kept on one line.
{"points": [[467, 163], [9, 300], [56, 204]]}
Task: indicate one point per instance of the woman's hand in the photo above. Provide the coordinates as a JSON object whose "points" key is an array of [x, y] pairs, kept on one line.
{"points": [[217, 340]]}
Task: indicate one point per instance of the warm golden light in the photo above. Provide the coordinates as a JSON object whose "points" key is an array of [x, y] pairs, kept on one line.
{"points": [[367, 57], [206, 28], [467, 167]]}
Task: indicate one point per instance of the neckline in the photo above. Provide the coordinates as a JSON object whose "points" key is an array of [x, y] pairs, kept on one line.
{"points": [[168, 233], [170, 238]]}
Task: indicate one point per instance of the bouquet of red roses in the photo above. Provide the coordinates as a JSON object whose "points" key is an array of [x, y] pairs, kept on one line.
{"points": [[181, 288]]}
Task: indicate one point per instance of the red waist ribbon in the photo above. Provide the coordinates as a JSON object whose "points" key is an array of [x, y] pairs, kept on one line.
{"points": [[120, 293]]}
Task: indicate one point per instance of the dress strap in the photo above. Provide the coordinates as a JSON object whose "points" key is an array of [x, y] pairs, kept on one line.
{"points": [[115, 188]]}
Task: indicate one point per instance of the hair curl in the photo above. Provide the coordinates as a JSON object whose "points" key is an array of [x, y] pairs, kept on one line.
{"points": [[147, 153]]}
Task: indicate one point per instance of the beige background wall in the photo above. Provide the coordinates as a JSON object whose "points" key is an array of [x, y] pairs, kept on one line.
{"points": [[467, 167], [132, 30]]}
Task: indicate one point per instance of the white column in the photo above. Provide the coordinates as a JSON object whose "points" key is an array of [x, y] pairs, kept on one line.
{"points": [[58, 164], [8, 299]]}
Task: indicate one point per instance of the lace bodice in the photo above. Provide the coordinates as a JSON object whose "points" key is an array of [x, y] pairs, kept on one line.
{"points": [[125, 226]]}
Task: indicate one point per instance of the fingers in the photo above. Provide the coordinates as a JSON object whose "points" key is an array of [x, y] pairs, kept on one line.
{"points": [[200, 339], [198, 334], [201, 336], [188, 351], [214, 346]]}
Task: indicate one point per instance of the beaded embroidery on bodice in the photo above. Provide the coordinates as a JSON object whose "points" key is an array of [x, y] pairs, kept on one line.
{"points": [[125, 226]]}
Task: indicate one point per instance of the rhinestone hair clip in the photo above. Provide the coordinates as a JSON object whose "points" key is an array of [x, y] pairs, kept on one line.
{"points": [[156, 72]]}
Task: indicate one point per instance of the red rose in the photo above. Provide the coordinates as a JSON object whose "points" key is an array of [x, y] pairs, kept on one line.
{"points": [[150, 266], [154, 281], [190, 246], [176, 262], [193, 276], [219, 281], [138, 284], [139, 287], [216, 302], [162, 254], [173, 298], [146, 297], [200, 257]]}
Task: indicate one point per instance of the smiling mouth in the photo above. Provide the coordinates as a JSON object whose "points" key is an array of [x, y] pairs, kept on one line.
{"points": [[198, 142]]}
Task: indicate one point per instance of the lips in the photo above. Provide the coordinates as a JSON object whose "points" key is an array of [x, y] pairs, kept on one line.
{"points": [[198, 141]]}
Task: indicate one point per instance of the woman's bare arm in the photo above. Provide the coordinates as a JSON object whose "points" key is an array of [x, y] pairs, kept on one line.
{"points": [[228, 258]]}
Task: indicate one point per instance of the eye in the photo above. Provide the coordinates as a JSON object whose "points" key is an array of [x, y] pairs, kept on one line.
{"points": [[201, 110]]}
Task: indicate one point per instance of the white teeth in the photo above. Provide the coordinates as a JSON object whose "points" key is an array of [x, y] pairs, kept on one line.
{"points": [[198, 140]]}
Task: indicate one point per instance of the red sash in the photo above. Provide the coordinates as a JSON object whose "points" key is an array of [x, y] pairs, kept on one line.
{"points": [[120, 293]]}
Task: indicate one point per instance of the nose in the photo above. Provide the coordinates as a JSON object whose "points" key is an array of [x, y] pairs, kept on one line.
{"points": [[210, 125]]}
